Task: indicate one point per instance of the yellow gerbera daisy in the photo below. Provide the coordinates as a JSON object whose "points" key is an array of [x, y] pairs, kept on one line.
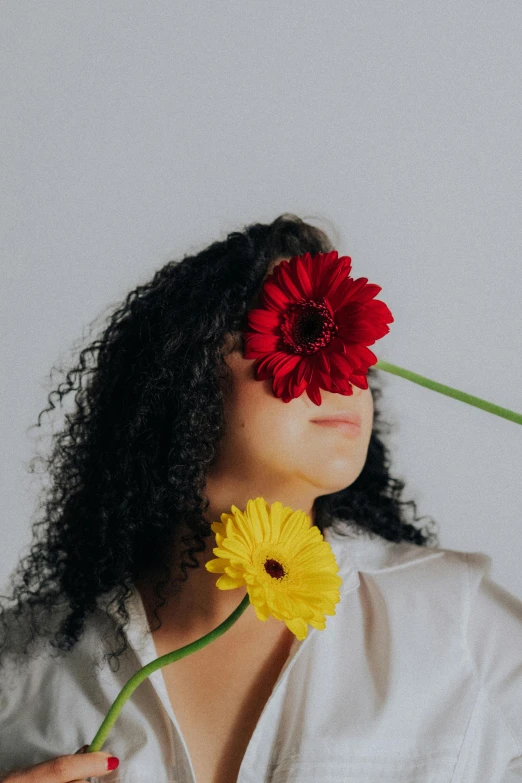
{"points": [[288, 568]]}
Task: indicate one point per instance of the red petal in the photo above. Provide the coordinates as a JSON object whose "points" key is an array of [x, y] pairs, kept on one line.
{"points": [[256, 344], [284, 363], [319, 266], [272, 296], [344, 387], [363, 356], [355, 287], [261, 371], [356, 330], [317, 374], [299, 388], [323, 362], [340, 362], [305, 282], [334, 272], [265, 365], [326, 381], [360, 323], [263, 321], [314, 394], [294, 388], [303, 372], [285, 387], [335, 344], [361, 381], [368, 291], [380, 309], [309, 266], [315, 267], [339, 292], [280, 385], [289, 281]]}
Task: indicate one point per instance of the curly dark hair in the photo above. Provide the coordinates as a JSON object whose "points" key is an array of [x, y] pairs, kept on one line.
{"points": [[132, 457]]}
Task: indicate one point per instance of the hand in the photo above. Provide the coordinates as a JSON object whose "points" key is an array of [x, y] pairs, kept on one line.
{"points": [[64, 769]]}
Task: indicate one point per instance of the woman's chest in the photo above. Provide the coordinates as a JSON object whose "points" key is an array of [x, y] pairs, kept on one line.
{"points": [[219, 693]]}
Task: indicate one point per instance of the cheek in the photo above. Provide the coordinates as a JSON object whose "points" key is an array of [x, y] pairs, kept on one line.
{"points": [[265, 415], [265, 424], [263, 420], [368, 410]]}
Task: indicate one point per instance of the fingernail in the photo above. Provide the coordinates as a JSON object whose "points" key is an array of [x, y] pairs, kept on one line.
{"points": [[112, 762]]}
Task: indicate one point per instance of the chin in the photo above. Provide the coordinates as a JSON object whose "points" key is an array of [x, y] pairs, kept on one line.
{"points": [[330, 489]]}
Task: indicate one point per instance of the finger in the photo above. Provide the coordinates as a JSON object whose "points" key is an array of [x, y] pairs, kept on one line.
{"points": [[65, 769], [83, 749]]}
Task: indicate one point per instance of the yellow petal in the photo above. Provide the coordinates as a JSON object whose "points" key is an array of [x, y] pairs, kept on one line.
{"points": [[226, 582], [255, 515], [291, 608], [298, 627], [276, 515], [232, 548], [294, 530], [256, 593], [309, 589], [235, 573], [243, 530], [216, 566], [261, 612]]}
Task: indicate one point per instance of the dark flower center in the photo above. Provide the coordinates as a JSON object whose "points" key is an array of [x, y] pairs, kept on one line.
{"points": [[308, 326], [274, 569]]}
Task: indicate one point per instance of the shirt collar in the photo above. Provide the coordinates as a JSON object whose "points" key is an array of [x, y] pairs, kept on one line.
{"points": [[342, 549], [141, 641], [138, 632]]}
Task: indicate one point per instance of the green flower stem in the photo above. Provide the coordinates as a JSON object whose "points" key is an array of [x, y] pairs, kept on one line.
{"points": [[163, 660], [450, 392]]}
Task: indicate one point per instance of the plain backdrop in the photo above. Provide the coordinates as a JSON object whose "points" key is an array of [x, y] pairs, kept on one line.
{"points": [[136, 132]]}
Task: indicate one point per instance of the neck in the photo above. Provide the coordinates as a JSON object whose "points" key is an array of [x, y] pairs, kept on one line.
{"points": [[199, 606]]}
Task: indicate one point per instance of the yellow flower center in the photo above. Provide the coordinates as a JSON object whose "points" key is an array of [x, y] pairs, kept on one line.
{"points": [[274, 568]]}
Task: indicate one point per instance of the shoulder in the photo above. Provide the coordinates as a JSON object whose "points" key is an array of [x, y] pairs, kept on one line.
{"points": [[493, 633], [373, 554], [440, 582], [453, 592]]}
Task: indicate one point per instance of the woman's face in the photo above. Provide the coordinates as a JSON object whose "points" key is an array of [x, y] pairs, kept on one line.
{"points": [[275, 450], [277, 444]]}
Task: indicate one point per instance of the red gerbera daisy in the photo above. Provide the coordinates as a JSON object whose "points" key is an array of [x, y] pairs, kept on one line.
{"points": [[313, 327]]}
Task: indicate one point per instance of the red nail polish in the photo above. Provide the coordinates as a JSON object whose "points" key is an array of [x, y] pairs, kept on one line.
{"points": [[112, 762]]}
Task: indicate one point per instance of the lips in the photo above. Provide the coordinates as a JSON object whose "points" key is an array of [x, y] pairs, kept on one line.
{"points": [[349, 418]]}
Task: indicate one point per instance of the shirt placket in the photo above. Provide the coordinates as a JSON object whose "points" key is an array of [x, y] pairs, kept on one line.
{"points": [[259, 750], [140, 639]]}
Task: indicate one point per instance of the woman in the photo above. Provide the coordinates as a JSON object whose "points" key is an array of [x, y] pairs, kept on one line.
{"points": [[417, 677]]}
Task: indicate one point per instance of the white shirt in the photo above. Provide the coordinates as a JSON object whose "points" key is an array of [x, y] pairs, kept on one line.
{"points": [[416, 678]]}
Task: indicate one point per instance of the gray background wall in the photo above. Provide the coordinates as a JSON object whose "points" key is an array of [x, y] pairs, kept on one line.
{"points": [[134, 132]]}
